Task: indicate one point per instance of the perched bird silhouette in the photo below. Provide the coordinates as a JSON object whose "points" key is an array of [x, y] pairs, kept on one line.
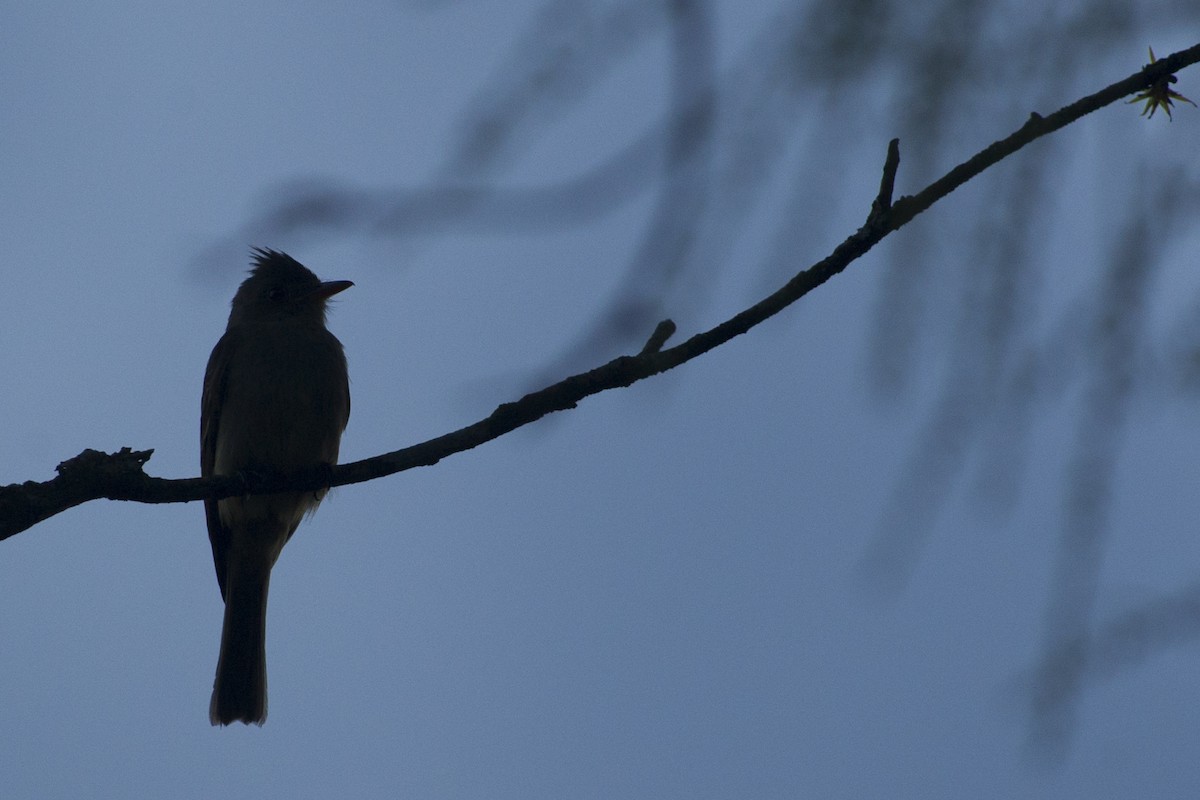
{"points": [[276, 399]]}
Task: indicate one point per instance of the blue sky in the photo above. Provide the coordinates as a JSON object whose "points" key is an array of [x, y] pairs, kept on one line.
{"points": [[658, 594]]}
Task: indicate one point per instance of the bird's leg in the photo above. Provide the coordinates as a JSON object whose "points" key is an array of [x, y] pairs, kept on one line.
{"points": [[326, 471]]}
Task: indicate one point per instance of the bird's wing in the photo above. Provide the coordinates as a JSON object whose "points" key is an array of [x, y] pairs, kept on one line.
{"points": [[210, 420]]}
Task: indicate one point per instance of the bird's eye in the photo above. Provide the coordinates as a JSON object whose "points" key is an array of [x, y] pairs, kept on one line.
{"points": [[276, 293]]}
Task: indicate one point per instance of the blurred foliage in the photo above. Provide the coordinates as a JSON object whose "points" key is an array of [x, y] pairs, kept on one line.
{"points": [[972, 301]]}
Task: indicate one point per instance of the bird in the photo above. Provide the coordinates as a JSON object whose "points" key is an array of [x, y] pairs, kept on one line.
{"points": [[276, 399]]}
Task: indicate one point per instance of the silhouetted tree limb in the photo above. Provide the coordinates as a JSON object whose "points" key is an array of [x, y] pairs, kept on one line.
{"points": [[93, 475]]}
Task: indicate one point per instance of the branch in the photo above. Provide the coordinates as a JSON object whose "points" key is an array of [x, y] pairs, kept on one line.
{"points": [[93, 475]]}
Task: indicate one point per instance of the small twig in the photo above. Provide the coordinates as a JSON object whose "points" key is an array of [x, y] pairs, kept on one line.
{"points": [[663, 331], [887, 183]]}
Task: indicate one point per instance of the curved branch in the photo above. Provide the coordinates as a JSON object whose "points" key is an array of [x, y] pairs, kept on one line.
{"points": [[93, 475]]}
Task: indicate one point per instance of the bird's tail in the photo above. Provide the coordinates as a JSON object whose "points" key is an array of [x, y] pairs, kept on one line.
{"points": [[240, 689]]}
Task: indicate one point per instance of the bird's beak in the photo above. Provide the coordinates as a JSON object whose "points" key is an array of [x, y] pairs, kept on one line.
{"points": [[328, 289]]}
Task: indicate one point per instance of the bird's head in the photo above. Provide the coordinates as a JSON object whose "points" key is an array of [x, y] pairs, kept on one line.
{"points": [[281, 289]]}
